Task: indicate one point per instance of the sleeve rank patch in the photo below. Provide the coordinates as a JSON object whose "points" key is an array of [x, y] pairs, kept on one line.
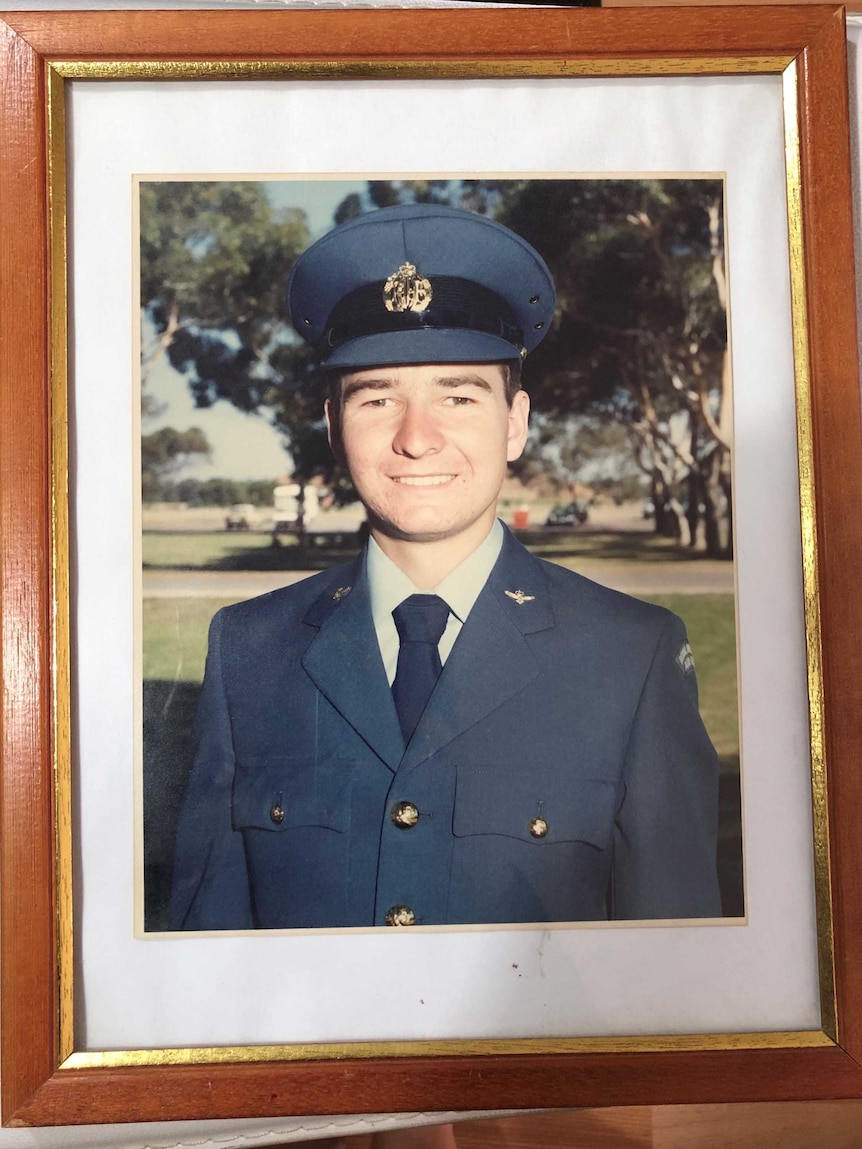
{"points": [[685, 659]]}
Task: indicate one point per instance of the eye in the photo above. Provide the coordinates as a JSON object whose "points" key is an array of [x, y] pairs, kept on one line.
{"points": [[460, 400]]}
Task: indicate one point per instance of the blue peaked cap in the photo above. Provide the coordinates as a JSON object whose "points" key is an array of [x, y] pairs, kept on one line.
{"points": [[420, 283]]}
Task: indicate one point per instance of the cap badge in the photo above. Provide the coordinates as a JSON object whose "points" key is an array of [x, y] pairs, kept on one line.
{"points": [[520, 596], [407, 290]]}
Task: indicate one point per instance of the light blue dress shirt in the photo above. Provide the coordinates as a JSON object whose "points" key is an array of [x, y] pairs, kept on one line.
{"points": [[459, 590]]}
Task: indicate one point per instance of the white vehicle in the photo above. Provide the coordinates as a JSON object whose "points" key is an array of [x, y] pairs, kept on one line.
{"points": [[242, 517], [286, 500]]}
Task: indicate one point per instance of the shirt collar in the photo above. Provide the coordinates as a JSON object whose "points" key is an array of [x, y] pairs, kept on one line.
{"points": [[389, 585]]}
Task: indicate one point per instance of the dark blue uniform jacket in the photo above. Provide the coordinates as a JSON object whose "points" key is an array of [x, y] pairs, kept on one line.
{"points": [[576, 706]]}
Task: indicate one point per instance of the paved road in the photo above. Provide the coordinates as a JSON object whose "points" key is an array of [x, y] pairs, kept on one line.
{"points": [[638, 578]]}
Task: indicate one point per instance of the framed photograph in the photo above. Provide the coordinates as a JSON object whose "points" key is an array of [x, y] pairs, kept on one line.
{"points": [[619, 480], [104, 1020]]}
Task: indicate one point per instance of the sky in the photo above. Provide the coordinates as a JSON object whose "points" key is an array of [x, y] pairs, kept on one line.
{"points": [[243, 446]]}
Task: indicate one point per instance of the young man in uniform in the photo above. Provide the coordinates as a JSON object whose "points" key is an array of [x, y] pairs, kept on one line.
{"points": [[447, 730]]}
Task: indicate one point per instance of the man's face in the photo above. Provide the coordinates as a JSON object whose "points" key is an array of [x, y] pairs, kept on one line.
{"points": [[427, 446]]}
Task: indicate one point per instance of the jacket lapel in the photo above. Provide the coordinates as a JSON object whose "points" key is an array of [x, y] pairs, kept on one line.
{"points": [[491, 660], [345, 665]]}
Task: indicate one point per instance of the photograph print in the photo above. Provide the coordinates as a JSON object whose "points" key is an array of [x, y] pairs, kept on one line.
{"points": [[437, 545]]}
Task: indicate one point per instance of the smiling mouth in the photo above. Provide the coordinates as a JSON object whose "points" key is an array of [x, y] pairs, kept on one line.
{"points": [[422, 480]]}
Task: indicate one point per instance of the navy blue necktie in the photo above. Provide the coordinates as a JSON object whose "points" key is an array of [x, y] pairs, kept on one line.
{"points": [[420, 621]]}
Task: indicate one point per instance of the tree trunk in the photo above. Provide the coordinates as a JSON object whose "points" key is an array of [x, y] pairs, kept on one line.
{"points": [[679, 523], [717, 501]]}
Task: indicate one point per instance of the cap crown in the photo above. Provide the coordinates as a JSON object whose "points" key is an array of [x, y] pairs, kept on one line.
{"points": [[420, 283]]}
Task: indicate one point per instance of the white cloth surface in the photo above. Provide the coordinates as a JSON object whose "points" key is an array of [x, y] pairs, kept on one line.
{"points": [[257, 1133]]}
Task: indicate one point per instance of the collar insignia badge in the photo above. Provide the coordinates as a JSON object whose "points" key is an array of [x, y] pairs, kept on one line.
{"points": [[407, 290], [520, 597], [340, 592]]}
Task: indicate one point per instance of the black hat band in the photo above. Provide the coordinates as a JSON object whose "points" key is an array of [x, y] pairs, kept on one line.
{"points": [[456, 303]]}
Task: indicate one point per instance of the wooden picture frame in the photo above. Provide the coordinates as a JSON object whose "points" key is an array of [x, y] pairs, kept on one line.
{"points": [[46, 1080]]}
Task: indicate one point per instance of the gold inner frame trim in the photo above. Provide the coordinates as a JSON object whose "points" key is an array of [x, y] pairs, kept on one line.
{"points": [[60, 557], [171, 70], [407, 69], [250, 1054], [810, 581]]}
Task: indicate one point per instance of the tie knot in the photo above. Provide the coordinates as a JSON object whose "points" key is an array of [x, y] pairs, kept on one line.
{"points": [[421, 618]]}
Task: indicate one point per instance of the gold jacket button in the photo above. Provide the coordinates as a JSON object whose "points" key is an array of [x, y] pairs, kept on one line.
{"points": [[404, 815], [400, 916], [276, 815], [538, 827]]}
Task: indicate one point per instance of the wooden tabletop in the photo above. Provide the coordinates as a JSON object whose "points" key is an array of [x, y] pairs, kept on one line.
{"points": [[790, 1124]]}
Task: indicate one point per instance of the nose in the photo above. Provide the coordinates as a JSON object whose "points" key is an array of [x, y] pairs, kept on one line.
{"points": [[418, 432]]}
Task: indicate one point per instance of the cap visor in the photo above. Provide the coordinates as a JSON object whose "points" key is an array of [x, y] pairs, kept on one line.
{"points": [[428, 345]]}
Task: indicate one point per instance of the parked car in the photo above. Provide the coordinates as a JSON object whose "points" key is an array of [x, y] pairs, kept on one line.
{"points": [[241, 517], [568, 514]]}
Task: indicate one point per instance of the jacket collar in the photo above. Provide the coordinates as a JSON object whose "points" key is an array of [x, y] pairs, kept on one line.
{"points": [[344, 661], [490, 662]]}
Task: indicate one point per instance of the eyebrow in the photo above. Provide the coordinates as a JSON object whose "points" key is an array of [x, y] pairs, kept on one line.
{"points": [[388, 383], [384, 383], [463, 381]]}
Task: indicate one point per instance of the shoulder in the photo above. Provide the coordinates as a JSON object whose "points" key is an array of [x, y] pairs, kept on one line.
{"points": [[574, 596], [571, 591], [285, 606], [631, 633], [573, 616]]}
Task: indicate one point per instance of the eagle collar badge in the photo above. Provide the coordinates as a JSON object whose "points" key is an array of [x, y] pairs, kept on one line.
{"points": [[520, 596]]}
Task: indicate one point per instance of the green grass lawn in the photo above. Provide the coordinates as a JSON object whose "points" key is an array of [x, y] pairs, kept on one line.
{"points": [[245, 550], [175, 637], [193, 549], [252, 550], [631, 546]]}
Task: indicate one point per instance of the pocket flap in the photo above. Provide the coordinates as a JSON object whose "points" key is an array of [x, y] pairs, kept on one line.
{"points": [[538, 808], [280, 793]]}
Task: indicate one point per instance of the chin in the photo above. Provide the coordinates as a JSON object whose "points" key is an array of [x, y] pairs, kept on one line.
{"points": [[414, 532], [420, 527]]}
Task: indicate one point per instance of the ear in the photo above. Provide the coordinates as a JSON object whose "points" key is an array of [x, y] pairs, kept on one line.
{"points": [[519, 420], [333, 431]]}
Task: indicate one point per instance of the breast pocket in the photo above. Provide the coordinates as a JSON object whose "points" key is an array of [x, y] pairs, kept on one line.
{"points": [[536, 809], [278, 794]]}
